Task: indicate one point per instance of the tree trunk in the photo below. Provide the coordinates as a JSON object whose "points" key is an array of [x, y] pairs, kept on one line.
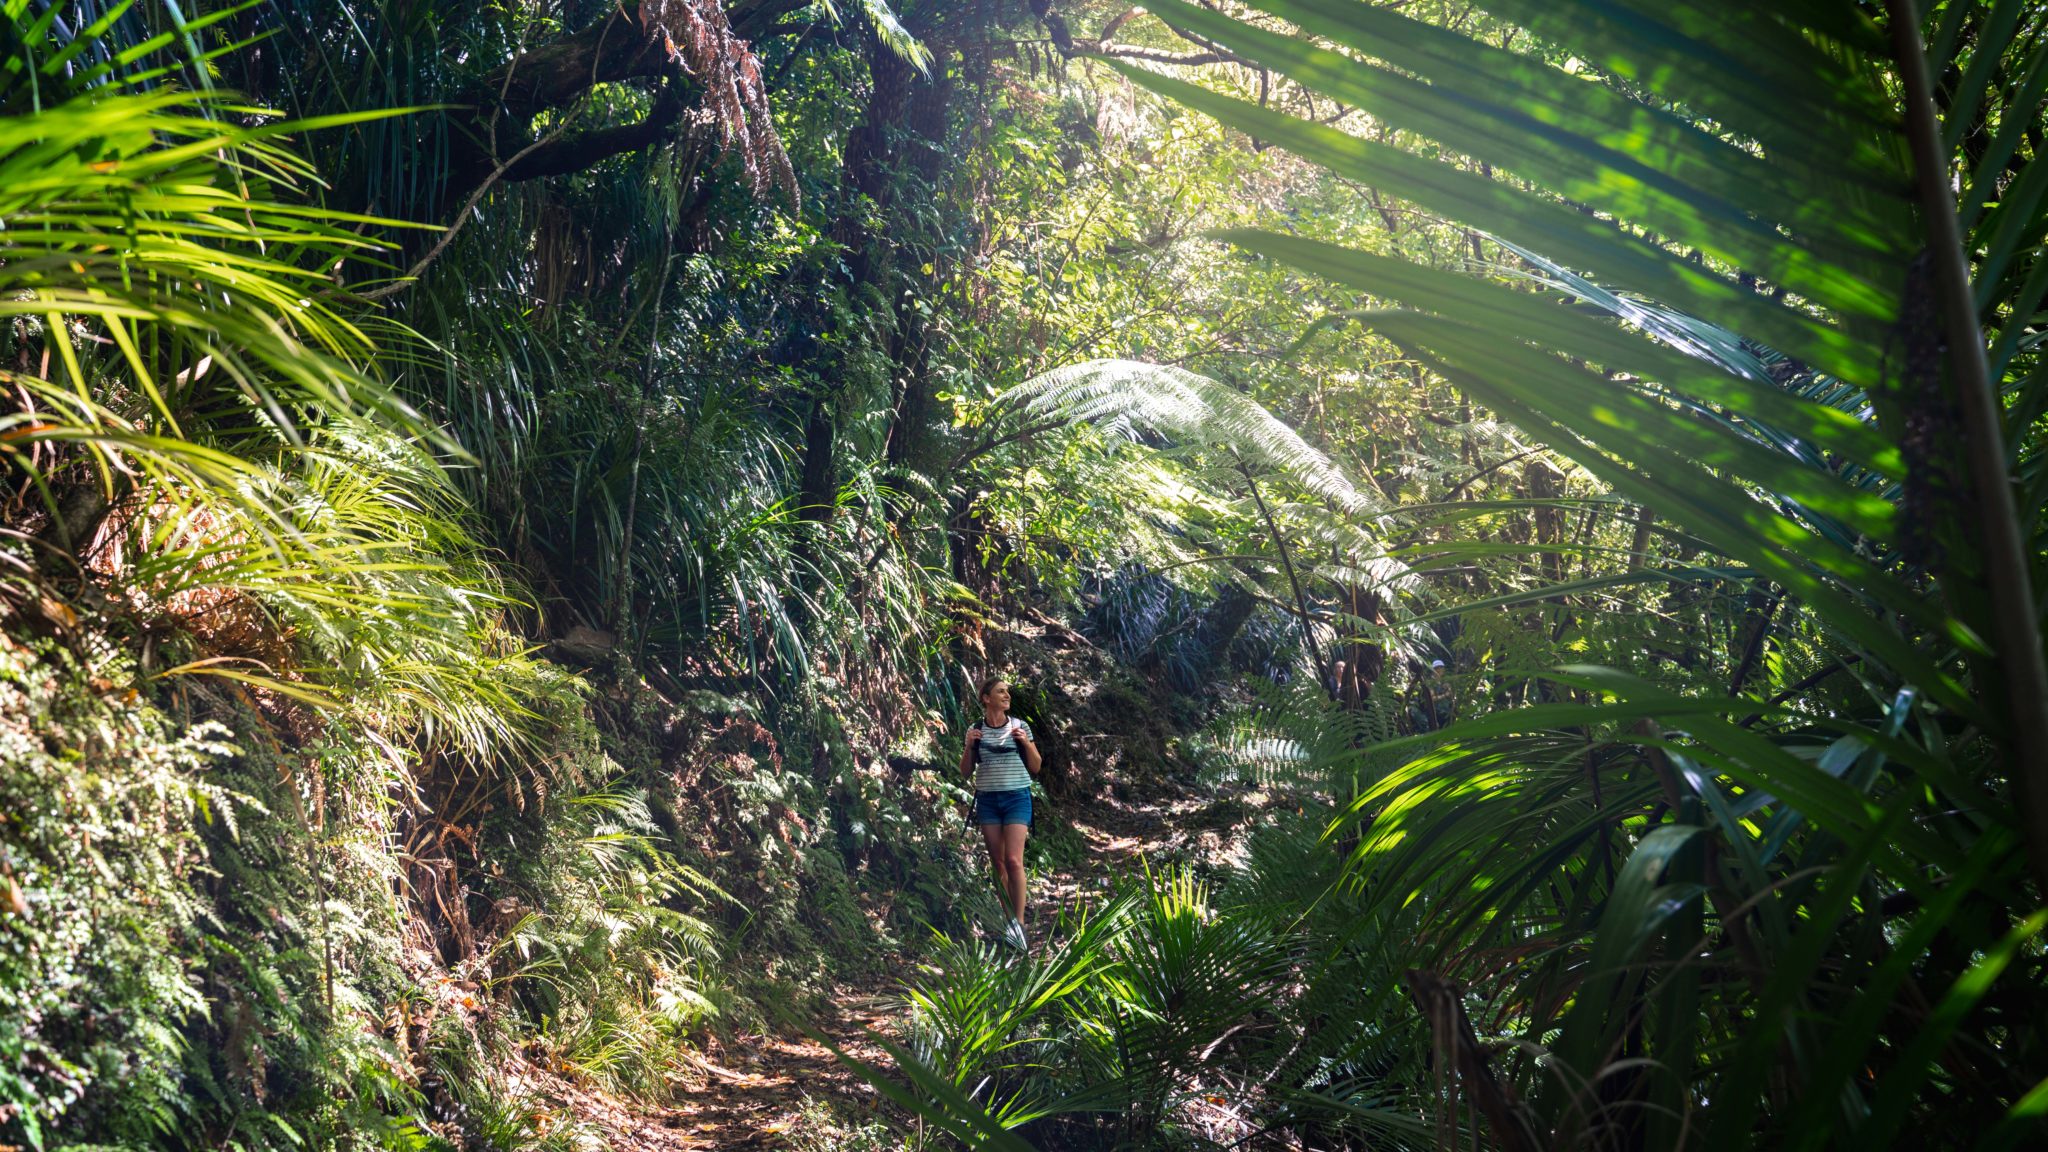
{"points": [[821, 468], [1220, 624], [911, 426]]}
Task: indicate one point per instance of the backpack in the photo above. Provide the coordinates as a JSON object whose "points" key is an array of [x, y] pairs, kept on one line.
{"points": [[1008, 725]]}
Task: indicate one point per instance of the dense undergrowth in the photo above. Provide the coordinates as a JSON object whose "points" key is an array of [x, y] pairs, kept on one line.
{"points": [[224, 936]]}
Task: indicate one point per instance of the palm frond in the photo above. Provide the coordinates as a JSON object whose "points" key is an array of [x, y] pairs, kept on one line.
{"points": [[1726, 184]]}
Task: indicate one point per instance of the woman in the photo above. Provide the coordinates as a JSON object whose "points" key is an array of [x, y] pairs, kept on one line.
{"points": [[1003, 757]]}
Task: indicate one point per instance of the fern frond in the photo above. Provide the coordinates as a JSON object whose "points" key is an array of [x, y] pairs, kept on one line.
{"points": [[1125, 397], [1292, 735], [889, 31]]}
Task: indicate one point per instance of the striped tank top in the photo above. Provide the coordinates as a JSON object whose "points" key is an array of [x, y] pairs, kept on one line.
{"points": [[1001, 767]]}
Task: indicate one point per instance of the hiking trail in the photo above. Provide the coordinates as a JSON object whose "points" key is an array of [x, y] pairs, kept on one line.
{"points": [[783, 1089]]}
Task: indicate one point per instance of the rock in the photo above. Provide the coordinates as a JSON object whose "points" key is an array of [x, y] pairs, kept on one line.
{"points": [[588, 645], [1094, 717]]}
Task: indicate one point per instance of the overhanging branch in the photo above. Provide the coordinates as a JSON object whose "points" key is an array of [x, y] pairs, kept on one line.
{"points": [[1187, 59], [690, 44], [575, 153], [619, 47]]}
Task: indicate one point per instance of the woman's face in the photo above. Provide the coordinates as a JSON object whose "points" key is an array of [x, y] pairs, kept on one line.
{"points": [[997, 697]]}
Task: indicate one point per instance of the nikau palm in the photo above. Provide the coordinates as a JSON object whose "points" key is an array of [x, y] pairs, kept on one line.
{"points": [[1822, 371], [1748, 867]]}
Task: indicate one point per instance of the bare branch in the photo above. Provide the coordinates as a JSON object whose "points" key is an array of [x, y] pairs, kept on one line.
{"points": [[620, 47], [1490, 469], [412, 274], [671, 39], [995, 442], [1116, 22], [559, 156], [1063, 41], [1188, 59]]}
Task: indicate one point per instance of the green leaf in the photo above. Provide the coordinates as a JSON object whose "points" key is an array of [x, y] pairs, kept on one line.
{"points": [[1823, 258], [1636, 911], [1582, 240], [1543, 320]]}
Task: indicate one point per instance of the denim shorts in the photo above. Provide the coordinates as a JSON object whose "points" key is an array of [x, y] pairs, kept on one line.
{"points": [[1013, 807]]}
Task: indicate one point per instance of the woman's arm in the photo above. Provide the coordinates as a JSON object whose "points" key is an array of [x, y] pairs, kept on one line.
{"points": [[1029, 749], [967, 751]]}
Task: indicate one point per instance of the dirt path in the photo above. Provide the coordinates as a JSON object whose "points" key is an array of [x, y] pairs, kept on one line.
{"points": [[754, 1091], [785, 1090]]}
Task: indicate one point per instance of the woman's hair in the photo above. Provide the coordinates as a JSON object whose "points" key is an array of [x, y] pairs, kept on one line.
{"points": [[988, 685]]}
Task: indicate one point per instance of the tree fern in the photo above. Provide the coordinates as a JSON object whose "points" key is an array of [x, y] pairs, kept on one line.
{"points": [[1128, 399]]}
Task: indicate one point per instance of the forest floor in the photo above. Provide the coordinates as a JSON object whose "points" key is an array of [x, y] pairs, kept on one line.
{"points": [[784, 1090]]}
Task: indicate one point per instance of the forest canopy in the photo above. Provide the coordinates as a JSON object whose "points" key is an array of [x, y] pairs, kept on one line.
{"points": [[1514, 530]]}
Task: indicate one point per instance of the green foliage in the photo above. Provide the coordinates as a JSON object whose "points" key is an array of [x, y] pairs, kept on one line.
{"points": [[175, 966], [1808, 799], [213, 469], [1587, 348], [215, 441], [1143, 1018], [610, 972], [1133, 398], [1633, 833], [100, 805]]}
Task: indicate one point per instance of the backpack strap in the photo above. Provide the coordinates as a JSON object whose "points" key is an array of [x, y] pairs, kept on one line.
{"points": [[1008, 725]]}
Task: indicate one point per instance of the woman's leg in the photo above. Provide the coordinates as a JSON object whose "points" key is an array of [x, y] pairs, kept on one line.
{"points": [[992, 835], [1013, 862]]}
